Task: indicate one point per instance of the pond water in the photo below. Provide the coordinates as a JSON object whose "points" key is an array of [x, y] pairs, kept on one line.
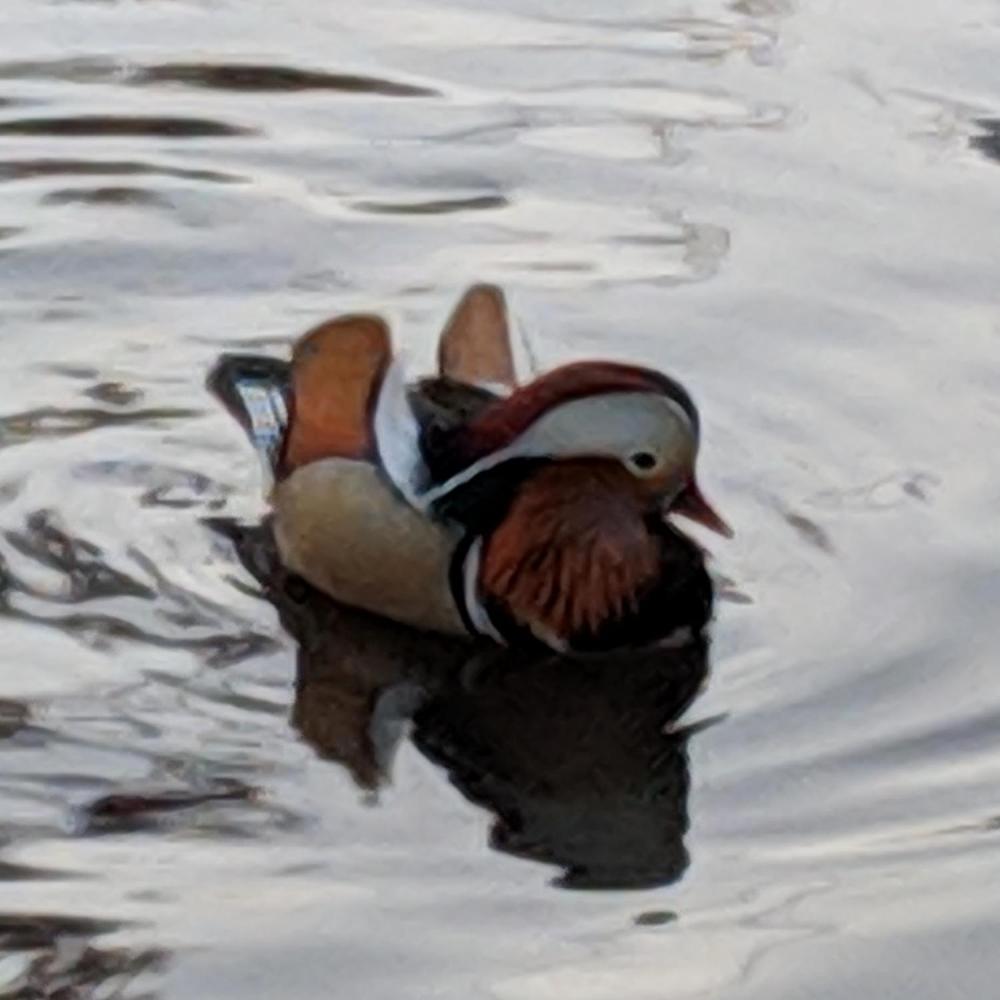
{"points": [[793, 207]]}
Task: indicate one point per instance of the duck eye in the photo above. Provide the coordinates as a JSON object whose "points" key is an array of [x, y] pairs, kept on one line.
{"points": [[642, 461]]}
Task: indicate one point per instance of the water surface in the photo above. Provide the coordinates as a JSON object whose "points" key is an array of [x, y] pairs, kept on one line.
{"points": [[790, 206]]}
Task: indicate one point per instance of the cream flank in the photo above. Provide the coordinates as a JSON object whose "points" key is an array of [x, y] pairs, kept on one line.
{"points": [[323, 518]]}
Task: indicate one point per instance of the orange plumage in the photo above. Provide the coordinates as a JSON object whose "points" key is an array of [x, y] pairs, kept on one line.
{"points": [[337, 368], [475, 345], [574, 551]]}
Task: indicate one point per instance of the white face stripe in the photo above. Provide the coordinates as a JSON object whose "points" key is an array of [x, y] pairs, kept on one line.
{"points": [[613, 425], [427, 499], [470, 594]]}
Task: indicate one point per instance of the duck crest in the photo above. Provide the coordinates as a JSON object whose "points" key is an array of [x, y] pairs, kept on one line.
{"points": [[499, 424]]}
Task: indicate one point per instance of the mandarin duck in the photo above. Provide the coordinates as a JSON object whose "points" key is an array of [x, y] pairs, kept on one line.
{"points": [[465, 503]]}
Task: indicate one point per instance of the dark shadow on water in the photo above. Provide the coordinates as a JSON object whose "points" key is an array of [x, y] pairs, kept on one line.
{"points": [[257, 78], [25, 873], [582, 764], [87, 576], [248, 77], [108, 197], [763, 8], [13, 717], [51, 421], [18, 170], [63, 959], [443, 206], [143, 810], [169, 127], [988, 141], [179, 618], [23, 932]]}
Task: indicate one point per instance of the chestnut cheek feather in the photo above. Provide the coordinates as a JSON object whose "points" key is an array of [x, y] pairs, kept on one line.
{"points": [[573, 552]]}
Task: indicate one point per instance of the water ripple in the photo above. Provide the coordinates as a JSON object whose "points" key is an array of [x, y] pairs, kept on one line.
{"points": [[170, 127], [256, 78], [988, 141], [23, 932], [59, 958], [19, 170], [441, 206], [103, 197], [249, 77], [81, 581], [53, 421]]}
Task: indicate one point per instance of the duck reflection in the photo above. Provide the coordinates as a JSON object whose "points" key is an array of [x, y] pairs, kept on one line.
{"points": [[987, 141], [62, 956], [582, 763]]}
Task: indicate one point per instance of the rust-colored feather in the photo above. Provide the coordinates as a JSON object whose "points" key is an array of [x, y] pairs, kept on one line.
{"points": [[337, 369], [573, 552], [475, 345]]}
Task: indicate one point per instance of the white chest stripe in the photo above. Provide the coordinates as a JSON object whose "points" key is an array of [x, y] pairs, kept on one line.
{"points": [[470, 595]]}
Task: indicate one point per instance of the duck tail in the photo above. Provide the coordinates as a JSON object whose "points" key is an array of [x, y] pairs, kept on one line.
{"points": [[257, 393]]}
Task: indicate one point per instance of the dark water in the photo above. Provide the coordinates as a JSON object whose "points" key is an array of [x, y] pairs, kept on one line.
{"points": [[794, 207]]}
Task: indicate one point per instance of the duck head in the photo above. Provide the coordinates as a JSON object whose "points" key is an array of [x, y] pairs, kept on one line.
{"points": [[566, 487], [638, 425]]}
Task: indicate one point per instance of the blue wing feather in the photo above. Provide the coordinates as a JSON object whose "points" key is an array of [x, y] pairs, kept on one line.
{"points": [[257, 393]]}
